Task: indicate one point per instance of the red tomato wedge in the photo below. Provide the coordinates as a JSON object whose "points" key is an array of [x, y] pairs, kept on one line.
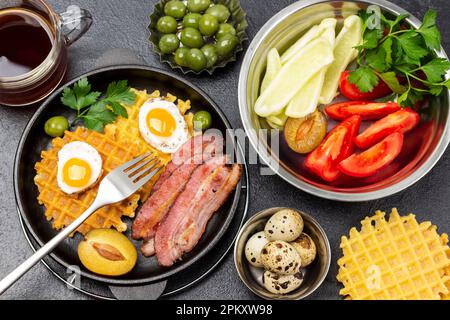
{"points": [[337, 145], [403, 120], [351, 91], [372, 160], [366, 109]]}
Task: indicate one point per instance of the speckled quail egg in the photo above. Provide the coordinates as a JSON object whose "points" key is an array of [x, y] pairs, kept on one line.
{"points": [[280, 257], [306, 248], [285, 225], [280, 284], [253, 248]]}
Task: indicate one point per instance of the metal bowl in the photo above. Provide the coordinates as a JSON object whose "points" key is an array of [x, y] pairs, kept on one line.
{"points": [[314, 274], [425, 146]]}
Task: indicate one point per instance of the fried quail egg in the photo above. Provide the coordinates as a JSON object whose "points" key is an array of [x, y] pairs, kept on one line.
{"points": [[280, 257], [306, 248], [280, 284], [162, 125], [253, 248], [79, 167], [285, 225]]}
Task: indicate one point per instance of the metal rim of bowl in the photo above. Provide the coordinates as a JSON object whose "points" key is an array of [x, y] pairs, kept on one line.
{"points": [[415, 176], [257, 216]]}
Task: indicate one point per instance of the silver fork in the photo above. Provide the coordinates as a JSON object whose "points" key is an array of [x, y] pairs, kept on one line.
{"points": [[118, 185]]}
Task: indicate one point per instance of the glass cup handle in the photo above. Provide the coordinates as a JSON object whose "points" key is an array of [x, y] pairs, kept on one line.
{"points": [[75, 22]]}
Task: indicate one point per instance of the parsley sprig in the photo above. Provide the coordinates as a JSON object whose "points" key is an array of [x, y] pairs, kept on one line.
{"points": [[93, 108], [404, 58]]}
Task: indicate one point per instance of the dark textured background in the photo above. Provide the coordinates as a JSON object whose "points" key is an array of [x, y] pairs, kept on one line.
{"points": [[122, 24]]}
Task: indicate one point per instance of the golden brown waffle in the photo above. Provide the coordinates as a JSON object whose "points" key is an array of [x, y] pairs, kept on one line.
{"points": [[396, 259], [63, 208], [120, 142]]}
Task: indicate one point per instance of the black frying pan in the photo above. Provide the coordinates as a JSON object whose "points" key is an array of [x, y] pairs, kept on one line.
{"points": [[34, 140]]}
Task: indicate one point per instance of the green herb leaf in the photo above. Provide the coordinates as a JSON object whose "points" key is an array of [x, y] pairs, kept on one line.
{"points": [[412, 45], [403, 97], [397, 51], [118, 109], [93, 123], [436, 69], [447, 83], [79, 97], [99, 111], [387, 47], [371, 38], [120, 92], [414, 96], [436, 90], [376, 59], [390, 78], [364, 78], [394, 23], [97, 115], [429, 30]]}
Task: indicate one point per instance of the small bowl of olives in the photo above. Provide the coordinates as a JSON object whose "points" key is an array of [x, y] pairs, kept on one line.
{"points": [[198, 35]]}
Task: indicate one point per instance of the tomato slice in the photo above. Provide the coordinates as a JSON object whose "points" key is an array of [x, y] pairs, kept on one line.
{"points": [[403, 120], [366, 109], [372, 160], [337, 145], [351, 91]]}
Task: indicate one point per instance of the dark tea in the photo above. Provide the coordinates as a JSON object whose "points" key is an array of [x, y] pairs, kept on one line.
{"points": [[26, 40]]}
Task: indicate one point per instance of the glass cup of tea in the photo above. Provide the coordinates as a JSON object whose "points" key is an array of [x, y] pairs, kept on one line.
{"points": [[33, 48]]}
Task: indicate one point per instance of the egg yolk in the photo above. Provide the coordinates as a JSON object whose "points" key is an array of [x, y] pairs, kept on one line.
{"points": [[160, 122], [76, 173]]}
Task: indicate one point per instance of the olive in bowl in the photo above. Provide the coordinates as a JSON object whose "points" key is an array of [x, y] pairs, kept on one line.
{"points": [[209, 33], [258, 257]]}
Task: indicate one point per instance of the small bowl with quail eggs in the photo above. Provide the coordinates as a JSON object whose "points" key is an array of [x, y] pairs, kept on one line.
{"points": [[282, 253]]}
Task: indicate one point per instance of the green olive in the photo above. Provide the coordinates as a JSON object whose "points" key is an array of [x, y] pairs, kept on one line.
{"points": [[192, 38], [169, 43], [196, 60], [198, 5], [210, 54], [191, 20], [226, 44], [225, 28], [56, 126], [166, 24], [175, 9], [208, 25], [202, 120], [219, 11], [181, 56]]}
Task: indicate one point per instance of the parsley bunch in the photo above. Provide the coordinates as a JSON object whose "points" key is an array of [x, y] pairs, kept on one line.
{"points": [[96, 110], [404, 58]]}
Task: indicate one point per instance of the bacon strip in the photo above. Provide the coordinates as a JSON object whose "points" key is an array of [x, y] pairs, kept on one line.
{"points": [[156, 207], [185, 223], [196, 145]]}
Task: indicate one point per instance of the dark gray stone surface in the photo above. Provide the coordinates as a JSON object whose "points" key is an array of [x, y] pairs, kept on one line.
{"points": [[122, 24]]}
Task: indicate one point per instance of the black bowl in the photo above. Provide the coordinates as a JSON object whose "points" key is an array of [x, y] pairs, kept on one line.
{"points": [[34, 140]]}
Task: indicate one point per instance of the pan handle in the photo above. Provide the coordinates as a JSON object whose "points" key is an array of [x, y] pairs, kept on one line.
{"points": [[146, 292]]}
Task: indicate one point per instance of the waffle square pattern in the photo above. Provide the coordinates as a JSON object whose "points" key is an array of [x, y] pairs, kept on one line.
{"points": [[396, 258]]}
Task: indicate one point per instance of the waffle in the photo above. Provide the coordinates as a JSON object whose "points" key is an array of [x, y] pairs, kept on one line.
{"points": [[63, 208], [396, 259], [120, 142]]}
